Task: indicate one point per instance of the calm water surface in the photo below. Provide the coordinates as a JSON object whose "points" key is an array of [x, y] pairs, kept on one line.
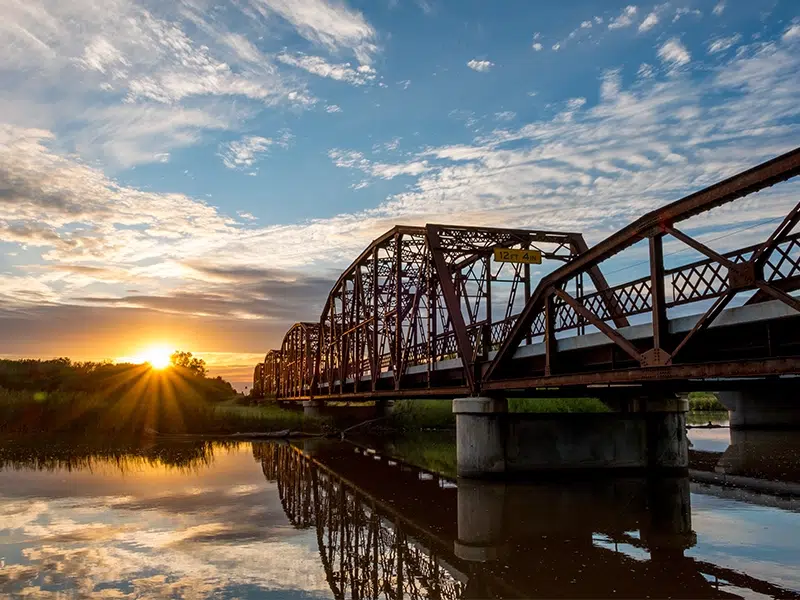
{"points": [[262, 520]]}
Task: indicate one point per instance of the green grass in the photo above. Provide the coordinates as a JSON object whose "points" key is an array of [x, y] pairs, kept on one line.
{"points": [[82, 413], [556, 405], [705, 401], [268, 417], [411, 415]]}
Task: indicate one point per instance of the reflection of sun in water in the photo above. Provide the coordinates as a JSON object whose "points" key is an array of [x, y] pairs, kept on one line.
{"points": [[156, 356]]}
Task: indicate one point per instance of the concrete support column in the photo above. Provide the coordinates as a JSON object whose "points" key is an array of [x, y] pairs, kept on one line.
{"points": [[481, 430], [665, 428], [481, 520], [383, 407], [767, 409], [311, 408]]}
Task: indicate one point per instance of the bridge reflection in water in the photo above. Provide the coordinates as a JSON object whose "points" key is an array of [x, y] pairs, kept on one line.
{"points": [[386, 529]]}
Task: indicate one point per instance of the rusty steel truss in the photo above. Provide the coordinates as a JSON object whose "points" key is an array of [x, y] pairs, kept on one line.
{"points": [[427, 311]]}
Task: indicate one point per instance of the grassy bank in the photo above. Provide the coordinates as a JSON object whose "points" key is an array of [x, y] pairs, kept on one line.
{"points": [[705, 401], [82, 413], [438, 414]]}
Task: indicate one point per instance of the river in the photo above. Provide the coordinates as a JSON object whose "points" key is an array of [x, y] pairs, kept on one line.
{"points": [[324, 519]]}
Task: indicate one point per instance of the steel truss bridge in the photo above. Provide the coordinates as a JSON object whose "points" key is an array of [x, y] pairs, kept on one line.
{"points": [[427, 312], [386, 529]]}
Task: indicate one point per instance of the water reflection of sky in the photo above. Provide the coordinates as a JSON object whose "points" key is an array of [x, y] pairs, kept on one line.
{"points": [[153, 532], [758, 540], [709, 440]]}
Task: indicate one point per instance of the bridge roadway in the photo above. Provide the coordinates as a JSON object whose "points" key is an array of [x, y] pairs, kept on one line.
{"points": [[427, 311], [386, 528]]}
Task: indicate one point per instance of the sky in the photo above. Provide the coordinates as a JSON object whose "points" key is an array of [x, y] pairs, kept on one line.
{"points": [[197, 174]]}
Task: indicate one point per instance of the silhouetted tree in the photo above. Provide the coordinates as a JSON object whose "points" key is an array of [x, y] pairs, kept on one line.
{"points": [[187, 361]]}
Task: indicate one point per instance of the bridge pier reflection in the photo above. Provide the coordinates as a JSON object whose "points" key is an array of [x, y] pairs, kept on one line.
{"points": [[386, 529]]}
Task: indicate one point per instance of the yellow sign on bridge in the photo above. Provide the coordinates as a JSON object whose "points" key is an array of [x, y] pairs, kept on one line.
{"points": [[518, 255]]}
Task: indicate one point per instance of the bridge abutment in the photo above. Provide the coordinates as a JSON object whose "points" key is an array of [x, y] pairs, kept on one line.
{"points": [[769, 409], [493, 443]]}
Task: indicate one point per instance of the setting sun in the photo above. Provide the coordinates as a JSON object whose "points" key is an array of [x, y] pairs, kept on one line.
{"points": [[157, 357]]}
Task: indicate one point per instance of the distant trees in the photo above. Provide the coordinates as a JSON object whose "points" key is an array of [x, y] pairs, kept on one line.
{"points": [[183, 359], [111, 380]]}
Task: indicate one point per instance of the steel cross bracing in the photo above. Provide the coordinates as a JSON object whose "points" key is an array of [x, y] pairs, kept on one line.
{"points": [[426, 311]]}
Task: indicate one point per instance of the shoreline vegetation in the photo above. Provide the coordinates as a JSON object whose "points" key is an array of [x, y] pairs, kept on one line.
{"points": [[132, 401]]}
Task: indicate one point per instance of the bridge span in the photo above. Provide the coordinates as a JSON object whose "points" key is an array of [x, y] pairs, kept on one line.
{"points": [[429, 311], [468, 313]]}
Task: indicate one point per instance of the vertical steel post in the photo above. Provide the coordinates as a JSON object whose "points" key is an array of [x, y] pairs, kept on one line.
{"points": [[550, 347], [660, 325]]}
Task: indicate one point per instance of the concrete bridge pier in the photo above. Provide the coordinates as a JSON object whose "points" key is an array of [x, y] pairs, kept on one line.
{"points": [[767, 409], [481, 432], [312, 408], [491, 442], [383, 407]]}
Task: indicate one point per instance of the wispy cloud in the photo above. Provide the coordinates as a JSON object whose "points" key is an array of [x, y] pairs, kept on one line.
{"points": [[683, 11], [242, 154], [537, 47], [356, 75], [333, 108], [719, 7], [721, 44], [650, 21], [480, 65], [625, 18], [674, 53], [328, 23]]}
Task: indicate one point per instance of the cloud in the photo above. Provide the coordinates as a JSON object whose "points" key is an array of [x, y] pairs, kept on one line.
{"points": [[719, 7], [333, 108], [721, 44], [625, 18], [680, 12], [555, 47], [645, 71], [114, 66], [242, 154], [480, 65], [586, 25], [128, 134], [537, 46], [674, 53], [793, 33], [350, 159], [317, 65], [330, 24], [649, 22], [506, 115]]}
